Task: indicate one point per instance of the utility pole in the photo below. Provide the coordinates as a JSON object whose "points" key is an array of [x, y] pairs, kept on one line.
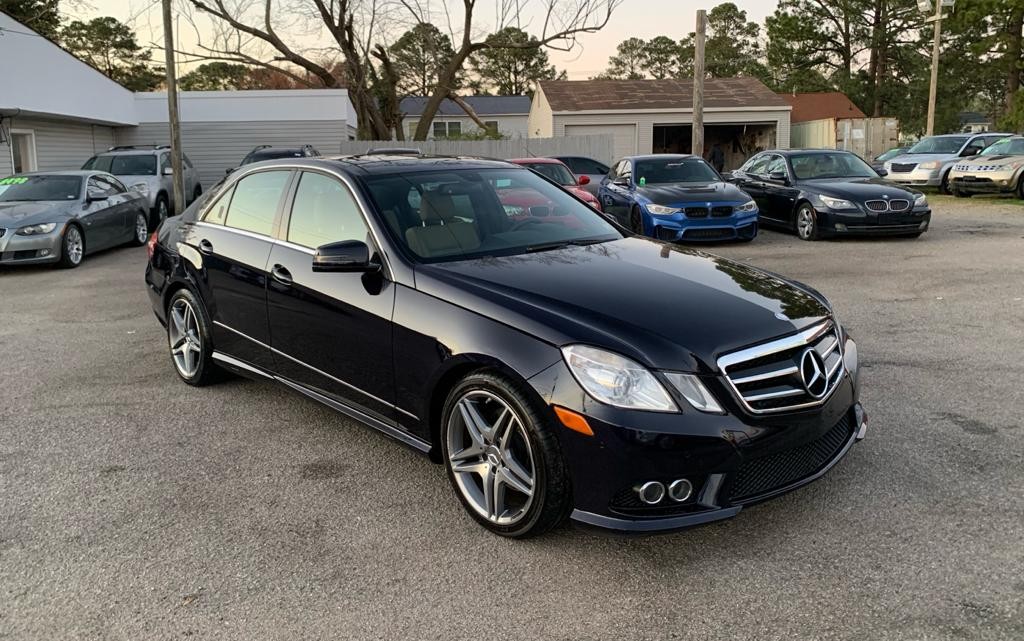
{"points": [[933, 89], [172, 110], [697, 141]]}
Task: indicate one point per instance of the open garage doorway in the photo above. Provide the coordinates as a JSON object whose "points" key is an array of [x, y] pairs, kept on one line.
{"points": [[737, 141]]}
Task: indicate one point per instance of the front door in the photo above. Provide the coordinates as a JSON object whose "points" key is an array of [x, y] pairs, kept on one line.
{"points": [[780, 195], [234, 241], [103, 215], [329, 330]]}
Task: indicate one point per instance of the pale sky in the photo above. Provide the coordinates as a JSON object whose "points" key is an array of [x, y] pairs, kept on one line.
{"points": [[639, 18]]}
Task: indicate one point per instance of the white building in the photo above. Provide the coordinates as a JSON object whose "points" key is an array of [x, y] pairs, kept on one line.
{"points": [[742, 115], [56, 112], [507, 115]]}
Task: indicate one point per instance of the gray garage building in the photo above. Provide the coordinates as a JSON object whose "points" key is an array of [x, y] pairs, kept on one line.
{"points": [[656, 116]]}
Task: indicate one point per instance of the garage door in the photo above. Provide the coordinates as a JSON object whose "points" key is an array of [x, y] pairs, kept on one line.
{"points": [[624, 136]]}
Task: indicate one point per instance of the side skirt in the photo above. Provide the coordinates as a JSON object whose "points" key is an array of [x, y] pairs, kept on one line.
{"points": [[254, 372]]}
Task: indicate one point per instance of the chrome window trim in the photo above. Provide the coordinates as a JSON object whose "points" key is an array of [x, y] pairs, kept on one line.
{"points": [[241, 232], [803, 338]]}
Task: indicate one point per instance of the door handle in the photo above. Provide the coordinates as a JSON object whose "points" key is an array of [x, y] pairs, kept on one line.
{"points": [[281, 275], [205, 247]]}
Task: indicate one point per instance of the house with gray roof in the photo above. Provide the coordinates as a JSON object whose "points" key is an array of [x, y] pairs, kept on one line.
{"points": [[506, 115]]}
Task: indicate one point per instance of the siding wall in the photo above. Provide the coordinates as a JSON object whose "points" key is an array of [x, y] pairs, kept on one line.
{"points": [[508, 126], [60, 144], [541, 121], [214, 147], [601, 146]]}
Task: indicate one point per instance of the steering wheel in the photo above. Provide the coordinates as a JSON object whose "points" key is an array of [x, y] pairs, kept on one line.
{"points": [[523, 223]]}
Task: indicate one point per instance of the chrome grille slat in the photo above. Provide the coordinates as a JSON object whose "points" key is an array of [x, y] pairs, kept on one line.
{"points": [[767, 378]]}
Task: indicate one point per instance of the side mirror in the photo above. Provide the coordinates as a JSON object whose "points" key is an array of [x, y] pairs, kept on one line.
{"points": [[95, 198], [344, 256], [583, 180], [168, 171], [883, 172], [621, 181], [779, 177], [970, 151]]}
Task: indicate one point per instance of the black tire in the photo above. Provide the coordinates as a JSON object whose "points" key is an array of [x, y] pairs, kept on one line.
{"points": [[960, 194], [809, 229], [161, 210], [944, 185], [69, 256], [141, 225], [551, 500], [1020, 187], [636, 221], [206, 370]]}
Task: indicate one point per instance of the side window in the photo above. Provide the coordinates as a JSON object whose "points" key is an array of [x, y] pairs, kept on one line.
{"points": [[165, 161], [115, 185], [777, 163], [255, 201], [94, 189], [626, 171], [324, 211], [188, 163], [219, 209], [587, 166], [757, 165]]}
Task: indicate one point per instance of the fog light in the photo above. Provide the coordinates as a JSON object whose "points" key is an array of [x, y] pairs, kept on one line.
{"points": [[680, 490], [44, 253], [840, 227], [651, 492], [924, 225]]}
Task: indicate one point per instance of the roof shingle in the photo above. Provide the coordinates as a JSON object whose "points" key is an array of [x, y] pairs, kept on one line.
{"points": [[610, 95], [821, 105]]}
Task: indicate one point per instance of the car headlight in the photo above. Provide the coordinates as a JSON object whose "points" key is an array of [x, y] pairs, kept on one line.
{"points": [[837, 203], [617, 380], [921, 201], [694, 392], [750, 205], [931, 164], [661, 210], [142, 188], [35, 230]]}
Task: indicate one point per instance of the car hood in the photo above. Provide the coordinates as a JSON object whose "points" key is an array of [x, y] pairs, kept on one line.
{"points": [[21, 213], [665, 306], [916, 159], [1000, 160], [676, 194], [129, 180], [580, 192], [858, 189]]}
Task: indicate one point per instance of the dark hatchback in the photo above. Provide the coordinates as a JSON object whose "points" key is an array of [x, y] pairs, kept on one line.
{"points": [[820, 193], [555, 364]]}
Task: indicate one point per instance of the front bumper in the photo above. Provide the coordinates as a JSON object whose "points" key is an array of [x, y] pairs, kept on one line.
{"points": [[837, 223], [679, 228], [732, 460], [986, 183], [917, 177], [30, 250]]}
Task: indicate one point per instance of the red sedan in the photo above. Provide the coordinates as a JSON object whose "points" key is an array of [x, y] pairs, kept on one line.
{"points": [[557, 171]]}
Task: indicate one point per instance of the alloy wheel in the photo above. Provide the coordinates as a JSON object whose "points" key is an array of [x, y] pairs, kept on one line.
{"points": [[141, 229], [805, 223], [162, 209], [491, 458], [73, 245], [184, 337]]}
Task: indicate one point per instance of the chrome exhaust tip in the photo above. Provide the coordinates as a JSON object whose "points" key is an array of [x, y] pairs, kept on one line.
{"points": [[680, 490], [651, 492]]}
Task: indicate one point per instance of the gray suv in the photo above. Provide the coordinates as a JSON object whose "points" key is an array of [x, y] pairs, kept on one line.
{"points": [[927, 163], [147, 170]]}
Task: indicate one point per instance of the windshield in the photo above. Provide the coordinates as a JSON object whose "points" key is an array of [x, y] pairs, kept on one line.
{"points": [[39, 187], [271, 154], [939, 145], [838, 165], [555, 171], [1006, 147], [892, 153], [129, 165], [674, 170], [458, 214]]}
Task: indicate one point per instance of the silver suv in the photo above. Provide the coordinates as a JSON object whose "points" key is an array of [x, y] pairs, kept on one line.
{"points": [[147, 170], [927, 163]]}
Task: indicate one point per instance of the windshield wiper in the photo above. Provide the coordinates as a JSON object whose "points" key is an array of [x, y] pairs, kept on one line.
{"points": [[583, 242]]}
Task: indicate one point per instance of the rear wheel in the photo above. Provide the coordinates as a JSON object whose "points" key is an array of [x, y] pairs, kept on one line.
{"points": [[189, 339], [944, 185], [1020, 187], [72, 247], [636, 221], [141, 232], [162, 210], [502, 457], [806, 223]]}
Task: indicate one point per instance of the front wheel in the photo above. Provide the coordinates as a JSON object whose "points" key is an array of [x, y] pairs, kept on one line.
{"points": [[636, 221], [944, 185], [141, 232], [72, 247], [806, 223], [189, 338], [502, 457]]}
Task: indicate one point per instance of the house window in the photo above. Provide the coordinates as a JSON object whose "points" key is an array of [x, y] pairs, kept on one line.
{"points": [[492, 126], [413, 124], [447, 129], [23, 150]]}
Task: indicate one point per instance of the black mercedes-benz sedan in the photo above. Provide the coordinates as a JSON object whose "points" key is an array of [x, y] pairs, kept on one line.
{"points": [[829, 193], [557, 365]]}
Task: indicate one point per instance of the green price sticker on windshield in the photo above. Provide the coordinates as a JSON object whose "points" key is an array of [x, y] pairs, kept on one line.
{"points": [[14, 180]]}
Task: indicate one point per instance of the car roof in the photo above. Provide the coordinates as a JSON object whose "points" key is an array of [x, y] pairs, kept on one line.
{"points": [[372, 165], [134, 152], [536, 161], [790, 152], [81, 173], [660, 157]]}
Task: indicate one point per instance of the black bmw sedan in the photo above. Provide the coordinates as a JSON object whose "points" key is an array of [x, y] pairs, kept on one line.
{"points": [[822, 193], [556, 365]]}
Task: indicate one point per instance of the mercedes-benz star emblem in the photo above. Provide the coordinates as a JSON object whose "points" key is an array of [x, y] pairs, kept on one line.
{"points": [[812, 370]]}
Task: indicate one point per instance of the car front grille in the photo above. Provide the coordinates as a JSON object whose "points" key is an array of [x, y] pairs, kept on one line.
{"points": [[902, 168], [721, 211], [696, 212], [714, 233], [767, 473], [782, 375], [979, 167], [880, 206]]}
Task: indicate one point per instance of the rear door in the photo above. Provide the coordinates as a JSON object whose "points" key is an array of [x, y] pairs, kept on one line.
{"points": [[750, 178], [102, 215], [233, 242], [330, 330]]}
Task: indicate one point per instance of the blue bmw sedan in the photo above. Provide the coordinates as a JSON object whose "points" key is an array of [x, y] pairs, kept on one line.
{"points": [[677, 198]]}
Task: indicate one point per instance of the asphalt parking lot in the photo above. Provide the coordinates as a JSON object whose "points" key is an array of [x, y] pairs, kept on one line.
{"points": [[135, 507]]}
